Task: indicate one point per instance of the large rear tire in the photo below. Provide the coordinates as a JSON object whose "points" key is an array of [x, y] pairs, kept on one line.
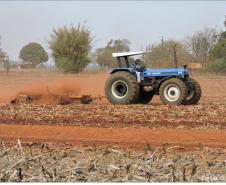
{"points": [[173, 91], [194, 92], [122, 88], [144, 96]]}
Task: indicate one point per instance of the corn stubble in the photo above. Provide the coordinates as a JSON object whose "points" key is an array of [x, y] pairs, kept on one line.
{"points": [[35, 162]]}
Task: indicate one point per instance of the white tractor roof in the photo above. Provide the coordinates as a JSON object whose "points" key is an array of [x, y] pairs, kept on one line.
{"points": [[129, 53]]}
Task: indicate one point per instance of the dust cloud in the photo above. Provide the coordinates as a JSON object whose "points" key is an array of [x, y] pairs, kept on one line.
{"points": [[47, 89]]}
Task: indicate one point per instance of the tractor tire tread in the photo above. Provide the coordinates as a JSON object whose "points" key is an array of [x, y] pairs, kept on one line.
{"points": [[198, 93], [134, 88]]}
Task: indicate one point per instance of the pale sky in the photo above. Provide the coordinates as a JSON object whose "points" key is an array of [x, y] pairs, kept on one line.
{"points": [[142, 22]]}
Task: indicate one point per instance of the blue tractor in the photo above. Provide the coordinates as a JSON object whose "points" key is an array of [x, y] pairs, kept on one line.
{"points": [[136, 84]]}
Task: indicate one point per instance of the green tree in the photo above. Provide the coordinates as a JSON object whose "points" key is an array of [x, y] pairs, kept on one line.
{"points": [[70, 47], [104, 55], [1, 52], [217, 66], [2, 55], [225, 22], [219, 50], [4, 59], [34, 53], [218, 54]]}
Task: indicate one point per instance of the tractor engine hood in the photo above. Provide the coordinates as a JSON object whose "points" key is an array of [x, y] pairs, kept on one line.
{"points": [[166, 72]]}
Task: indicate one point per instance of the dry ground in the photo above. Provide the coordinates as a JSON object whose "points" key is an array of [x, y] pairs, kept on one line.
{"points": [[67, 163], [209, 113], [203, 124]]}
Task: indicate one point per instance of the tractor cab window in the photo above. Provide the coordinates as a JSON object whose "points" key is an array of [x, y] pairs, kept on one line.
{"points": [[140, 64]]}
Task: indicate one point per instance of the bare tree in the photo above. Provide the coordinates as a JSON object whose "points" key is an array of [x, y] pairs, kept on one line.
{"points": [[201, 44], [162, 55]]}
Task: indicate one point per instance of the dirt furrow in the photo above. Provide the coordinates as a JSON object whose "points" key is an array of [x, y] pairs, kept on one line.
{"points": [[127, 137]]}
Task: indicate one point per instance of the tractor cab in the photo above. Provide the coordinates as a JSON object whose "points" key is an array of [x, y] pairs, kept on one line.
{"points": [[137, 62]]}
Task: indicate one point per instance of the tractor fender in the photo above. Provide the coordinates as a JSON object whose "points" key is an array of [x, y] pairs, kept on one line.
{"points": [[122, 69], [161, 81], [128, 70]]}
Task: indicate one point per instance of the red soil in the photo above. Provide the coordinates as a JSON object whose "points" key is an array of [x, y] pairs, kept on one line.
{"points": [[213, 88], [127, 137]]}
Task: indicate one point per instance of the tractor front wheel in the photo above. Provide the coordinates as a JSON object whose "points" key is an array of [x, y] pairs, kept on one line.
{"points": [[194, 92], [173, 91], [122, 88]]}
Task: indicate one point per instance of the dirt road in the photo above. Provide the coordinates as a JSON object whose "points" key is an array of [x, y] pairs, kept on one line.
{"points": [[127, 137]]}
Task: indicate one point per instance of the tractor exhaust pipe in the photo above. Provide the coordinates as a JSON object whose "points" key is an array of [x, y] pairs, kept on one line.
{"points": [[175, 55]]}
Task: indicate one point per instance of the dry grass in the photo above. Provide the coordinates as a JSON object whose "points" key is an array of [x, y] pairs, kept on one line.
{"points": [[65, 163]]}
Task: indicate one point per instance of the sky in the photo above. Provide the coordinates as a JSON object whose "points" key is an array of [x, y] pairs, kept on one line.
{"points": [[142, 22]]}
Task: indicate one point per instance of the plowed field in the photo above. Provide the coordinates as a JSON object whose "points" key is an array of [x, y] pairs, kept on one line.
{"points": [[209, 114], [45, 142]]}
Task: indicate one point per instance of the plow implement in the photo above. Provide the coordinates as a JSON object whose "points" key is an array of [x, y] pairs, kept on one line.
{"points": [[54, 99]]}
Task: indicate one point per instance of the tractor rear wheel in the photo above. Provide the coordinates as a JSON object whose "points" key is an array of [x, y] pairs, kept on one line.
{"points": [[145, 97], [173, 91], [122, 88], [194, 92]]}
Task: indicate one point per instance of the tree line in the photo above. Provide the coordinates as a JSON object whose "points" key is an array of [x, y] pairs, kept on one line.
{"points": [[71, 50]]}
